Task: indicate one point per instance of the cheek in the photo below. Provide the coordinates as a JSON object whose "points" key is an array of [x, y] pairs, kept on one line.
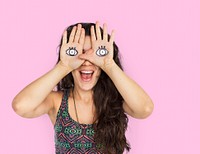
{"points": [[98, 72], [75, 74]]}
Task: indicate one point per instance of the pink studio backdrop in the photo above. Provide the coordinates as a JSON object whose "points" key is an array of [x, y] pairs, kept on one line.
{"points": [[159, 43]]}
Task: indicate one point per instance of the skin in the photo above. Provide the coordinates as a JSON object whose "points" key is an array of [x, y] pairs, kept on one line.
{"points": [[37, 98]]}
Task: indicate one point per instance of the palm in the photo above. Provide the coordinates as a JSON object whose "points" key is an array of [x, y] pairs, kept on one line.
{"points": [[102, 61], [102, 49], [72, 62], [72, 48]]}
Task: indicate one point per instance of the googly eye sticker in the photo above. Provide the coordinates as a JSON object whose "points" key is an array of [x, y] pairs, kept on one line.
{"points": [[102, 51], [72, 51]]}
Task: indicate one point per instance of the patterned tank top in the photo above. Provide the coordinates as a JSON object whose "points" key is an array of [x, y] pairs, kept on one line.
{"points": [[70, 136]]}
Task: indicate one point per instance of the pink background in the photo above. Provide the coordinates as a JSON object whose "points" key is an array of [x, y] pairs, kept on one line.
{"points": [[159, 43]]}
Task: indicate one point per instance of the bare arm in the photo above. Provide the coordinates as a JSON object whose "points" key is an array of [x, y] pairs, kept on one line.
{"points": [[37, 98], [136, 101]]}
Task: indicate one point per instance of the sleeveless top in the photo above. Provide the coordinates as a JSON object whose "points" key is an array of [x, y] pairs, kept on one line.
{"points": [[70, 136]]}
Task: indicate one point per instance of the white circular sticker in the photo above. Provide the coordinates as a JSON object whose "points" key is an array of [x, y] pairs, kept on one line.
{"points": [[102, 51], [72, 51]]}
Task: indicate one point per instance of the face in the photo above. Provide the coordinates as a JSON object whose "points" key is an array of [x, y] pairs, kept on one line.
{"points": [[87, 75]]}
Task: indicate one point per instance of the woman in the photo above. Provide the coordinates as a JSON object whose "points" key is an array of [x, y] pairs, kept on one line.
{"points": [[93, 94]]}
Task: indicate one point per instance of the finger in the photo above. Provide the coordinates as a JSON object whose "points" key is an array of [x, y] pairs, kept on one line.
{"points": [[105, 34], [78, 33], [93, 36], [98, 32], [87, 56], [71, 38], [112, 36], [82, 37], [88, 52], [64, 39]]}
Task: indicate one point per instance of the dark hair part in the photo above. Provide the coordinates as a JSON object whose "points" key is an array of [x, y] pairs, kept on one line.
{"points": [[112, 121]]}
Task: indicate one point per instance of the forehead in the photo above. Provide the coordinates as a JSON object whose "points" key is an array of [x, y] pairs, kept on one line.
{"points": [[87, 44]]}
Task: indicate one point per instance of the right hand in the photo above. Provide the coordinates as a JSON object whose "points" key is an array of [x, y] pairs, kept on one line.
{"points": [[76, 40]]}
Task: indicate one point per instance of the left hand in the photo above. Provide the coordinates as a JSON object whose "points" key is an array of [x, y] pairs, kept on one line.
{"points": [[101, 53]]}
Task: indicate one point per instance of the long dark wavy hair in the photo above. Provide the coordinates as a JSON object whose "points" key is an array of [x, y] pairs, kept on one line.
{"points": [[112, 121]]}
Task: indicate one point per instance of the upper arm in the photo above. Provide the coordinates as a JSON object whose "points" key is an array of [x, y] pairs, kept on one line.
{"points": [[144, 113], [127, 109], [44, 108]]}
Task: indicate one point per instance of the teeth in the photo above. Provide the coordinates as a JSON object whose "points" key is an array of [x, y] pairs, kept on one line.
{"points": [[87, 72]]}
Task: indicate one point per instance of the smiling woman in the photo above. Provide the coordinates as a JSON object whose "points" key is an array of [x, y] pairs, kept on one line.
{"points": [[93, 95]]}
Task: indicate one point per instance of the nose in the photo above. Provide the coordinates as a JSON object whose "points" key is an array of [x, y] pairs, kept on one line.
{"points": [[87, 63]]}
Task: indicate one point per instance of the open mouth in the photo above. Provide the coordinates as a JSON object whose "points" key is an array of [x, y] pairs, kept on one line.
{"points": [[86, 75]]}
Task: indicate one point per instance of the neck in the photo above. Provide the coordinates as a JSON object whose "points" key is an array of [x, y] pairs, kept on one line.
{"points": [[83, 95]]}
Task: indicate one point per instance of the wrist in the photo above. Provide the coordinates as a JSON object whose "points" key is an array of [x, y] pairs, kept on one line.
{"points": [[62, 68], [109, 66]]}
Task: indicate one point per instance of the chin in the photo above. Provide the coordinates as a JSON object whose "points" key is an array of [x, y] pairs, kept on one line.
{"points": [[86, 87]]}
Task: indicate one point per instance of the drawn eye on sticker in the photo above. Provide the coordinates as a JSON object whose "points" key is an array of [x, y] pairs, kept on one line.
{"points": [[72, 51], [102, 51]]}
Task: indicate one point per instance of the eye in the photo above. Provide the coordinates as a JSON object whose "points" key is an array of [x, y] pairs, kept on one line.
{"points": [[72, 51], [102, 51]]}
